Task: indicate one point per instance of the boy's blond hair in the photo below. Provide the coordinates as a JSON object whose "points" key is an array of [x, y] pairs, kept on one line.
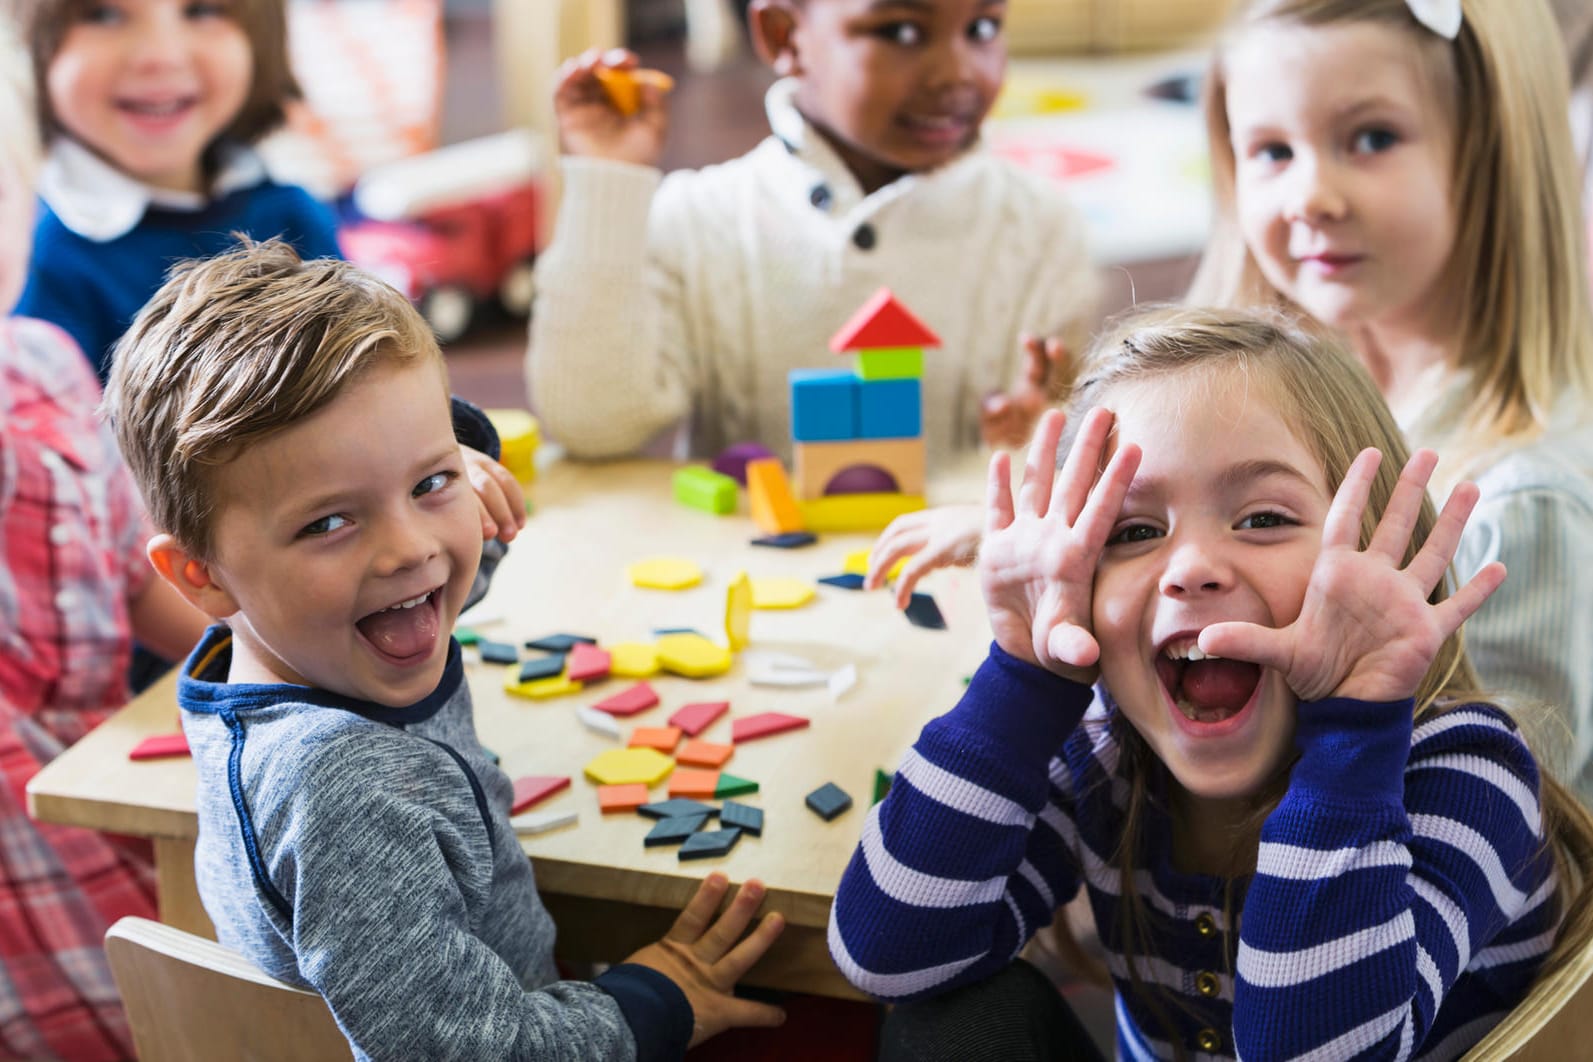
{"points": [[19, 131], [238, 347], [1518, 264]]}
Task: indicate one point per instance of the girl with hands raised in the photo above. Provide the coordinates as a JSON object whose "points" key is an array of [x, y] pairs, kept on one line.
{"points": [[1298, 827]]}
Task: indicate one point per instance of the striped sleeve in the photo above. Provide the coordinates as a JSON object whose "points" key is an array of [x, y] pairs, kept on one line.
{"points": [[965, 858], [1391, 863]]}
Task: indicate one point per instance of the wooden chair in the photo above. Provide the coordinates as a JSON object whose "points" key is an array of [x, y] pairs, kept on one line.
{"points": [[189, 999], [1553, 1023]]}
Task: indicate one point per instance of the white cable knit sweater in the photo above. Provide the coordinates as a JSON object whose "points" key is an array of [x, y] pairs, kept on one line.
{"points": [[694, 294]]}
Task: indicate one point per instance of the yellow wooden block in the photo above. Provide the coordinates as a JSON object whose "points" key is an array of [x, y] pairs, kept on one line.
{"points": [[781, 593], [518, 438], [857, 512], [857, 564], [738, 612], [633, 660], [629, 766], [664, 573], [539, 689], [692, 655]]}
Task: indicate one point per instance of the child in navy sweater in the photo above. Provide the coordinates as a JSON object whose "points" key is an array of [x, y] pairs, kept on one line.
{"points": [[1299, 829]]}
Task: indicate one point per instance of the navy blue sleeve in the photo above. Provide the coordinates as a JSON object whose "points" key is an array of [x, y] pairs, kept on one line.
{"points": [[58, 292], [654, 1007], [474, 429]]}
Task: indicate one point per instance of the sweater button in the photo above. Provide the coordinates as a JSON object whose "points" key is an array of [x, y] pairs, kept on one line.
{"points": [[864, 237], [1206, 925], [1208, 1040], [820, 197], [1206, 983]]}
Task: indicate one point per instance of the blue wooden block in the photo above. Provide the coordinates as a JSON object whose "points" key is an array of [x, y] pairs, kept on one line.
{"points": [[676, 807], [559, 643], [673, 830], [542, 667], [743, 817], [828, 801], [498, 652], [711, 843], [846, 581], [824, 404], [789, 540], [923, 612], [889, 409]]}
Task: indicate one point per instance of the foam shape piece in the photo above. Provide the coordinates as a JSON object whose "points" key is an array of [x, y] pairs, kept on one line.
{"points": [[882, 784], [828, 801], [923, 612], [890, 409], [710, 843], [816, 465], [625, 797], [790, 540], [588, 663], [785, 677], [731, 786], [774, 510], [781, 592], [764, 724], [533, 789], [645, 767], [534, 822], [599, 722], [740, 600], [466, 635], [824, 404], [664, 573], [880, 323], [665, 809], [702, 488], [623, 85], [732, 460], [540, 689], [160, 747], [559, 643], [890, 363], [692, 656], [697, 753], [857, 563], [846, 581], [693, 782], [693, 719], [638, 698], [497, 652], [541, 667], [633, 660], [841, 681], [662, 738], [743, 817], [857, 512], [673, 830]]}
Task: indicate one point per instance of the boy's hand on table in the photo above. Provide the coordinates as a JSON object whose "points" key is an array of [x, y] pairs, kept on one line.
{"points": [[1006, 420], [498, 495], [592, 125], [700, 953]]}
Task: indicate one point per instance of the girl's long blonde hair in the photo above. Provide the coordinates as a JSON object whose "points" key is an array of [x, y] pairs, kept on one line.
{"points": [[1518, 267]]}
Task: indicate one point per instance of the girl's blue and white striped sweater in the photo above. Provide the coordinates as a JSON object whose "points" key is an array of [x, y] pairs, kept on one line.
{"points": [[1403, 896]]}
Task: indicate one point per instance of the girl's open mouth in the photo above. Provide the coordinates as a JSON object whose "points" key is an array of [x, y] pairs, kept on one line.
{"points": [[1206, 690]]}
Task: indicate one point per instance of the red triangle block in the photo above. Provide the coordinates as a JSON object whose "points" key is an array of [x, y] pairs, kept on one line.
{"points": [[534, 790], [159, 747], [882, 322], [763, 725], [638, 698], [586, 663], [695, 718]]}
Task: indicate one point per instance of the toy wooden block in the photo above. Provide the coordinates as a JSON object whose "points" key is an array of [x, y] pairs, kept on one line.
{"points": [[668, 809], [673, 830], [623, 85], [646, 767], [882, 322], [534, 822], [540, 689], [828, 801], [693, 719], [633, 660], [627, 797], [739, 602], [542, 667], [823, 404], [923, 612], [519, 436], [704, 754], [160, 746], [890, 363], [731, 786], [638, 698], [882, 784], [743, 817], [791, 540], [846, 581], [692, 656], [764, 724], [781, 592], [588, 663], [598, 722], [890, 409], [858, 512], [703, 488], [535, 789], [692, 782], [559, 643], [664, 573], [769, 497], [662, 738], [497, 652], [816, 464], [709, 844]]}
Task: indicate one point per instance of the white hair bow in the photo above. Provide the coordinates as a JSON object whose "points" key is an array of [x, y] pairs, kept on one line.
{"points": [[1440, 16]]}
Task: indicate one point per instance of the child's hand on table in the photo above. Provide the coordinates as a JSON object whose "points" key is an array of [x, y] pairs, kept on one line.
{"points": [[592, 124], [934, 538], [700, 953], [1007, 420], [498, 495]]}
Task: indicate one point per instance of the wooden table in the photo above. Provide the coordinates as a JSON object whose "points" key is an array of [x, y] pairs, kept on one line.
{"points": [[607, 892]]}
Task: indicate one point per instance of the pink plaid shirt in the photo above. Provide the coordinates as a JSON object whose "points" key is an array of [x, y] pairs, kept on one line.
{"points": [[72, 536]]}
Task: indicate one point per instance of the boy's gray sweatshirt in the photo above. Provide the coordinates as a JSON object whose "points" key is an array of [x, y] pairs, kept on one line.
{"points": [[366, 853]]}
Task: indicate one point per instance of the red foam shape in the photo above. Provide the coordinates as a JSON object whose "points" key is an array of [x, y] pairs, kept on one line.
{"points": [[638, 698], [586, 663], [534, 789], [695, 718], [763, 725], [882, 322], [160, 746]]}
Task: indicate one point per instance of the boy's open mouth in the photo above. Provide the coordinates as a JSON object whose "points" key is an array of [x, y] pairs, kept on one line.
{"points": [[404, 629], [1205, 689]]}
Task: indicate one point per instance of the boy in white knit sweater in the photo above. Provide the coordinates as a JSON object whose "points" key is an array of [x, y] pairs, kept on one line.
{"points": [[691, 297]]}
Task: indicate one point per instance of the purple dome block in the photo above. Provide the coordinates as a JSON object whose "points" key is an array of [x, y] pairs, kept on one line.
{"points": [[732, 461], [862, 479]]}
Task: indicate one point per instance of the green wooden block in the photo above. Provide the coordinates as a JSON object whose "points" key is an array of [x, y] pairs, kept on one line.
{"points": [[731, 786], [882, 784], [891, 363], [466, 635], [705, 489]]}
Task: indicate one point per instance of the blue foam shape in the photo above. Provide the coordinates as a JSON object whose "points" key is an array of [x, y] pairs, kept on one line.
{"points": [[824, 405], [889, 409]]}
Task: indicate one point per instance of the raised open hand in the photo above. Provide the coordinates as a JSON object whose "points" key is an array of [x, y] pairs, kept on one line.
{"points": [[591, 125], [1366, 628], [1037, 563]]}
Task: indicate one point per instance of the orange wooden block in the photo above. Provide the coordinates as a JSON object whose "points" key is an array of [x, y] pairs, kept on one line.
{"points": [[705, 754], [769, 496], [621, 797], [662, 738], [689, 782]]}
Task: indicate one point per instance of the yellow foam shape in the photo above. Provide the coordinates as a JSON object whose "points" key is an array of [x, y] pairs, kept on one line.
{"points": [[835, 513], [664, 573], [628, 766], [539, 689], [692, 655], [633, 660], [519, 435], [857, 564], [781, 593], [738, 612]]}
